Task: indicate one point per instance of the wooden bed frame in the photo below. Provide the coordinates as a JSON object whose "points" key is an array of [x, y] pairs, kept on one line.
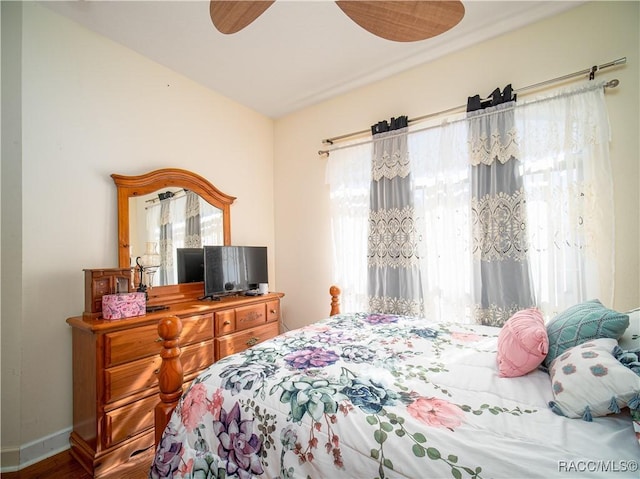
{"points": [[170, 376]]}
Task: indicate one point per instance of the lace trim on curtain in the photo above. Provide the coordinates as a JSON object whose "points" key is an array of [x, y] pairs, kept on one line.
{"points": [[493, 135], [193, 234], [166, 253], [393, 238], [495, 315], [192, 206], [192, 241], [499, 226], [579, 206], [165, 242], [401, 306], [390, 156], [486, 149], [165, 213]]}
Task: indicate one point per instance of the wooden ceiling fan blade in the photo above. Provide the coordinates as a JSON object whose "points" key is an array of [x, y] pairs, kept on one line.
{"points": [[230, 16], [404, 21]]}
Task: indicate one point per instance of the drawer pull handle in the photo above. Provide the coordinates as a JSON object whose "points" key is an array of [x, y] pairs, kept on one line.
{"points": [[252, 341], [158, 340], [273, 311], [226, 323]]}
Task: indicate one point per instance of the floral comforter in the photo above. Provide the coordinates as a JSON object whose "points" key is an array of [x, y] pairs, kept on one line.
{"points": [[375, 396]]}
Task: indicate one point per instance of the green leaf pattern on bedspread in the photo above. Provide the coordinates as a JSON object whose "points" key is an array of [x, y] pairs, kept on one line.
{"points": [[316, 383]]}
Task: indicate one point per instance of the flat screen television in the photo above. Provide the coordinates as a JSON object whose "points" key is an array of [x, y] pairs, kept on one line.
{"points": [[190, 263], [234, 269]]}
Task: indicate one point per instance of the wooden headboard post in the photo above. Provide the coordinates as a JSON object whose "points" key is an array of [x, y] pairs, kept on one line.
{"points": [[334, 291], [170, 374]]}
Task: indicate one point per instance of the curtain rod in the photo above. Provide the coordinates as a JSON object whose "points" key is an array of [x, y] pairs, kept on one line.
{"points": [[176, 194], [325, 153], [590, 71]]}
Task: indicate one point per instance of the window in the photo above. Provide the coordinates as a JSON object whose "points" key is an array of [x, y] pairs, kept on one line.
{"points": [[563, 142]]}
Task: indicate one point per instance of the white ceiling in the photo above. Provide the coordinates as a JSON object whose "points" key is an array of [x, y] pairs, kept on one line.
{"points": [[294, 55]]}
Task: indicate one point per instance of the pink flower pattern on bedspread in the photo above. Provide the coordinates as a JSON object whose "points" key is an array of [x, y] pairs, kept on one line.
{"points": [[436, 412]]}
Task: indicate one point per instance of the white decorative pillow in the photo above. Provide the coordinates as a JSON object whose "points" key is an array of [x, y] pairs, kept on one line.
{"points": [[588, 381]]}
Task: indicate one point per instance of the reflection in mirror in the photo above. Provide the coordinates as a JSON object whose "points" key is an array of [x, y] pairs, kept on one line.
{"points": [[214, 207], [169, 219]]}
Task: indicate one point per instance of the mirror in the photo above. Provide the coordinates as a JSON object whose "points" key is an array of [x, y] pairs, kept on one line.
{"points": [[132, 189]]}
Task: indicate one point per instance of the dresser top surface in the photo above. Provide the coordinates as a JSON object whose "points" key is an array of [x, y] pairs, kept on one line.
{"points": [[187, 308]]}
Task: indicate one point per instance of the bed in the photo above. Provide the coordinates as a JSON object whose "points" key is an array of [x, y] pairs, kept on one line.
{"points": [[379, 396]]}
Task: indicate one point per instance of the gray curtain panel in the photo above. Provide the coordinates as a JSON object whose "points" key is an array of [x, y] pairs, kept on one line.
{"points": [[394, 284], [501, 276], [165, 271], [193, 236]]}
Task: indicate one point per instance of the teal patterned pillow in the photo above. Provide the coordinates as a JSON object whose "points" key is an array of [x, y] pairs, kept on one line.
{"points": [[580, 323]]}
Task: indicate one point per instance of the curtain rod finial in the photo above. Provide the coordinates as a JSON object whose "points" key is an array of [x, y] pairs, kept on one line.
{"points": [[323, 154]]}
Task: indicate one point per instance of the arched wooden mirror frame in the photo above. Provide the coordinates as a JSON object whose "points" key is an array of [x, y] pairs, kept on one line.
{"points": [[132, 186]]}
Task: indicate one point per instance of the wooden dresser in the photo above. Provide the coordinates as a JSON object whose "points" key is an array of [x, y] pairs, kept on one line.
{"points": [[115, 367]]}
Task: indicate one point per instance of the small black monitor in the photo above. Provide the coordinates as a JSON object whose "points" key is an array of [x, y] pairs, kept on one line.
{"points": [[233, 269], [190, 263], [257, 271]]}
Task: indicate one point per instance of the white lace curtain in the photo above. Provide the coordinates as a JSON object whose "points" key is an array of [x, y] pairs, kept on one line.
{"points": [[567, 177], [565, 167], [348, 174]]}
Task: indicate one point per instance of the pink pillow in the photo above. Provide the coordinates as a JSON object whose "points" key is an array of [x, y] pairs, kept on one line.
{"points": [[522, 343]]}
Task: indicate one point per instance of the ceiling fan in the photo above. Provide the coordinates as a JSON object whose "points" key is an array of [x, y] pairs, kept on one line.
{"points": [[399, 21]]}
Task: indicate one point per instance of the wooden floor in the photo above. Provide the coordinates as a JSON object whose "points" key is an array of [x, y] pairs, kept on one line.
{"points": [[63, 466]]}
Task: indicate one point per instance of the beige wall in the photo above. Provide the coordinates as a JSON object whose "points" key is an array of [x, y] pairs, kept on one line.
{"points": [[586, 35], [91, 108], [11, 237]]}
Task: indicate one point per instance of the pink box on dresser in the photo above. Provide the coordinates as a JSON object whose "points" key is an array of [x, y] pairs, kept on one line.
{"points": [[123, 305]]}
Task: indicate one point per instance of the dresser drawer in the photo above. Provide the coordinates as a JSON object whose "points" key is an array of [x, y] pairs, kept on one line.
{"points": [[250, 316], [136, 343], [126, 379], [127, 421], [197, 356], [196, 328], [273, 311], [234, 343], [100, 286], [225, 322]]}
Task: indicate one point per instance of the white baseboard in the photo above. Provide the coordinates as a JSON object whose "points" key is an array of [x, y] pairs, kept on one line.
{"points": [[9, 459], [14, 459]]}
